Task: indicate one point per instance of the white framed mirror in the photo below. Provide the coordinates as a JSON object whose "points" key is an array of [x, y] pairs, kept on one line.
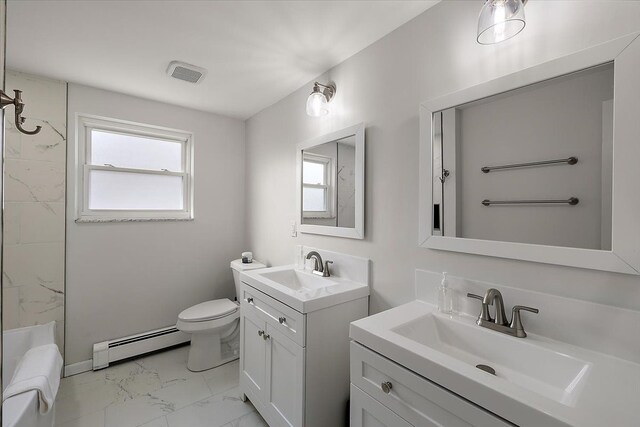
{"points": [[330, 184], [539, 165]]}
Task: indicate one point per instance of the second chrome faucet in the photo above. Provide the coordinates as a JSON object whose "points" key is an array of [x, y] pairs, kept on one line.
{"points": [[493, 297]]}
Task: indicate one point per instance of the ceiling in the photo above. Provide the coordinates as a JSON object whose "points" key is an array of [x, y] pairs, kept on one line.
{"points": [[256, 52]]}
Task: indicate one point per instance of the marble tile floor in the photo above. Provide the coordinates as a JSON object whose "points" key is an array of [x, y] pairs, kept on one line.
{"points": [[155, 391]]}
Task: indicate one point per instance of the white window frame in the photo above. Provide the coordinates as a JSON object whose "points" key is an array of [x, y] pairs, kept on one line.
{"points": [[84, 125], [328, 186]]}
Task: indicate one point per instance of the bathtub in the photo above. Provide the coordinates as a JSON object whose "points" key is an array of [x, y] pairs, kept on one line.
{"points": [[22, 410]]}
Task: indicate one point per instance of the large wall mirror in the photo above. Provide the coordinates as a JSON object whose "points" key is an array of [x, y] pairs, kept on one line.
{"points": [[524, 166], [330, 184]]}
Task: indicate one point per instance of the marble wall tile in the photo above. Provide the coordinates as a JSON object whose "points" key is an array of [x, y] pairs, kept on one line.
{"points": [[12, 140], [60, 333], [11, 223], [40, 305], [34, 264], [42, 222], [11, 308], [48, 145], [34, 216], [45, 98], [34, 181]]}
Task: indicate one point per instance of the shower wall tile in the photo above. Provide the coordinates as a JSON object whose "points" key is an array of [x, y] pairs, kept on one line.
{"points": [[34, 264], [34, 216], [49, 145], [42, 222], [12, 141], [34, 181], [41, 304], [11, 308], [11, 218]]}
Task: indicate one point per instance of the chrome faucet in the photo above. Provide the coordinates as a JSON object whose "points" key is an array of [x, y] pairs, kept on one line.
{"points": [[494, 297], [500, 324], [319, 268]]}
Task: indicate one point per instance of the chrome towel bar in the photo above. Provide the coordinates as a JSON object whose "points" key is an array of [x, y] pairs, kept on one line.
{"points": [[570, 201], [569, 161]]}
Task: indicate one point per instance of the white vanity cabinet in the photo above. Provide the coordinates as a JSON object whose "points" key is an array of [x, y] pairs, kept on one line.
{"points": [[294, 367], [384, 393]]}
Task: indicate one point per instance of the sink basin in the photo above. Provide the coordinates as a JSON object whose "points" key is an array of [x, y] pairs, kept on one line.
{"points": [[303, 291], [298, 280], [538, 381], [547, 372]]}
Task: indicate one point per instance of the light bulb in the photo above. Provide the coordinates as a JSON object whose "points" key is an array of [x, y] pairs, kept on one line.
{"points": [[316, 104]]}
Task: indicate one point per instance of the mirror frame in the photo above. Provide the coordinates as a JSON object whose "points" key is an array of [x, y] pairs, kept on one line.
{"points": [[624, 257], [352, 233]]}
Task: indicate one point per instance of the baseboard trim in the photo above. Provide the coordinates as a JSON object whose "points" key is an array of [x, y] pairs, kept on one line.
{"points": [[78, 368]]}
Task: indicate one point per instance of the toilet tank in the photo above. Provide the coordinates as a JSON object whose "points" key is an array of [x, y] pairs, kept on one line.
{"points": [[237, 267]]}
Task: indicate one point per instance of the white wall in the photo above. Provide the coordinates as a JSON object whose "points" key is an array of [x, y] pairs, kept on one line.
{"points": [[125, 278], [432, 55], [34, 211]]}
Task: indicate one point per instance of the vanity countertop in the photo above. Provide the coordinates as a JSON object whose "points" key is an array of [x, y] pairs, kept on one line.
{"points": [[538, 381], [303, 291]]}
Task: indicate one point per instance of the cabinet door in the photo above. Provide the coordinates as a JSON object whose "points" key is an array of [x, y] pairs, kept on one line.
{"points": [[368, 412], [285, 379], [252, 355]]}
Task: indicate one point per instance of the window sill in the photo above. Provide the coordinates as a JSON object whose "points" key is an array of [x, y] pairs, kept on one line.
{"points": [[99, 220]]}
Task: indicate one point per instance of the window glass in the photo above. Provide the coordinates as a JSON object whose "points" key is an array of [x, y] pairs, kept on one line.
{"points": [[136, 152], [314, 199], [313, 173], [134, 191]]}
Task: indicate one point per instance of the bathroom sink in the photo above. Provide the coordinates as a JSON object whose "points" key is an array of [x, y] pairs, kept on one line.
{"points": [[298, 280], [547, 372], [538, 381], [303, 291]]}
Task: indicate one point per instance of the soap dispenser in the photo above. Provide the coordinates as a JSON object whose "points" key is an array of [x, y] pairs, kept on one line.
{"points": [[445, 296]]}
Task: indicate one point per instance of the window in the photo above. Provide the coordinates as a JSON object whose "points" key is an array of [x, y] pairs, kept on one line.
{"points": [[129, 171], [317, 178]]}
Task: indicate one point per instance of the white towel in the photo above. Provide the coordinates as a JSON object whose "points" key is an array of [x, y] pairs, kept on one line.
{"points": [[39, 370]]}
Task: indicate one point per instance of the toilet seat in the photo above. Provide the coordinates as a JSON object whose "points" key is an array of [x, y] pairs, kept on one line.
{"points": [[208, 310]]}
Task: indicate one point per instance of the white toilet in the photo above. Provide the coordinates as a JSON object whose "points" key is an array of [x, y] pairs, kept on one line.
{"points": [[213, 322]]}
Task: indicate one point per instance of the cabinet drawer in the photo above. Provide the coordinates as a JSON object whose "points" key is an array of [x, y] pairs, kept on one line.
{"points": [[414, 398], [368, 412], [283, 318]]}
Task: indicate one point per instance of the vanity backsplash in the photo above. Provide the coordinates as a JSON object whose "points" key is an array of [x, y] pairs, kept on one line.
{"points": [[602, 328]]}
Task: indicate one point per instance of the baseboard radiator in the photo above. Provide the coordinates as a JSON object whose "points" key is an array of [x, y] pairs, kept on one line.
{"points": [[123, 348]]}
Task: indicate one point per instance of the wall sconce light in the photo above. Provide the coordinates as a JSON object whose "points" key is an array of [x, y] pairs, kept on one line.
{"points": [[319, 98], [500, 20]]}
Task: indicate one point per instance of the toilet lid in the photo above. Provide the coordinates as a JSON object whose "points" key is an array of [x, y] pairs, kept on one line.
{"points": [[208, 310]]}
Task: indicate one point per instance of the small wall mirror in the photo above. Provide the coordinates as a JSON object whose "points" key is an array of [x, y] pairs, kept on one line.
{"points": [[524, 166], [330, 184]]}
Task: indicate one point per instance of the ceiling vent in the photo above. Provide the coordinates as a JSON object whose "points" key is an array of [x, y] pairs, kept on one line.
{"points": [[187, 72]]}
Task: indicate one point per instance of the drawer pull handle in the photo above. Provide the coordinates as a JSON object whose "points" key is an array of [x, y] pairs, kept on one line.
{"points": [[265, 337], [282, 320], [249, 300], [386, 387], [261, 333]]}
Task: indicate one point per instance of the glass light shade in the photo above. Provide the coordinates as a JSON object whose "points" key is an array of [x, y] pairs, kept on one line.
{"points": [[316, 104], [500, 20]]}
